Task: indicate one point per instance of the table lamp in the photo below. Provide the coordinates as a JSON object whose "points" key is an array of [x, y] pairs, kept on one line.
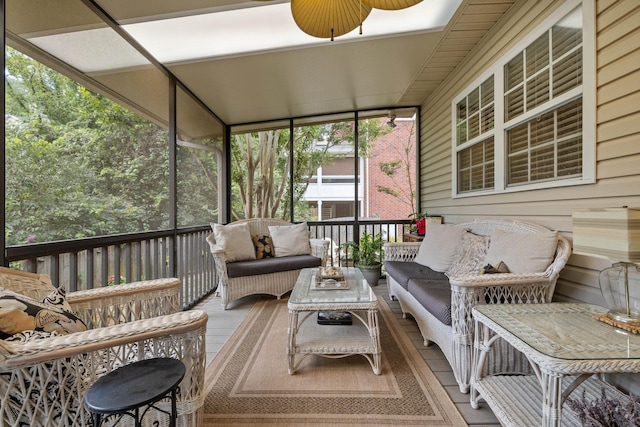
{"points": [[613, 233]]}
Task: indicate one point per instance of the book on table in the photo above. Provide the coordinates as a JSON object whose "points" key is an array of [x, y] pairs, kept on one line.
{"points": [[334, 318]]}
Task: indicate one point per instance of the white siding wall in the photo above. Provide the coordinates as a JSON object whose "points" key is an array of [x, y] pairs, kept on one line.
{"points": [[617, 135]]}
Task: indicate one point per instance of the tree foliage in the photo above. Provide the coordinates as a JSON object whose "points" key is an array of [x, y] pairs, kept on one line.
{"points": [[77, 164], [81, 165], [261, 168]]}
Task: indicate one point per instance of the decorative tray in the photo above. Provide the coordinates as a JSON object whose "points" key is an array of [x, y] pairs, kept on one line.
{"points": [[331, 273], [318, 283]]}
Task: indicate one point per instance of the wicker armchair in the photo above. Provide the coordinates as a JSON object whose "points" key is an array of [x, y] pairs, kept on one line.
{"points": [[456, 341], [43, 382], [276, 284]]}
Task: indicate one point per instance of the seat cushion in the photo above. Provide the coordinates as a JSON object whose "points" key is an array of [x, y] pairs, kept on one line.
{"points": [[403, 271], [435, 296], [271, 265]]}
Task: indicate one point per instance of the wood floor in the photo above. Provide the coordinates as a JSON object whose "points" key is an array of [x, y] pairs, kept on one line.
{"points": [[222, 323]]}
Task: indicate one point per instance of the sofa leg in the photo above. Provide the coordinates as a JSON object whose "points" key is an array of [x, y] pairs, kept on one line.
{"points": [[462, 358]]}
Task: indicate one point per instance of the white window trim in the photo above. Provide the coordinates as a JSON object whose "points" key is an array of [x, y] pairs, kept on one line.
{"points": [[588, 91]]}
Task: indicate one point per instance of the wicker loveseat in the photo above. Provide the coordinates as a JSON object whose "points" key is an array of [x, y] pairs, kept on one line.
{"points": [[273, 276], [441, 303], [43, 381]]}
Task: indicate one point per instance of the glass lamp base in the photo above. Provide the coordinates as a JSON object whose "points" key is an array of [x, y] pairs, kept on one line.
{"points": [[620, 286], [620, 315]]}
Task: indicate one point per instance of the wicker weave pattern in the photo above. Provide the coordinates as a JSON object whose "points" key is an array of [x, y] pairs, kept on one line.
{"points": [[66, 366], [563, 343], [276, 284], [127, 302], [456, 341]]}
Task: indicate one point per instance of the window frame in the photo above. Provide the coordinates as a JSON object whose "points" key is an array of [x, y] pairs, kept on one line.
{"points": [[587, 90]]}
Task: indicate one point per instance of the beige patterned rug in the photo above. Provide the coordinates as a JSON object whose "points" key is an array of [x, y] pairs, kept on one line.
{"points": [[247, 382]]}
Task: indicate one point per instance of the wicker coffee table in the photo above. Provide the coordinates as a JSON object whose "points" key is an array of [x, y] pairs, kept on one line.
{"points": [[353, 295]]}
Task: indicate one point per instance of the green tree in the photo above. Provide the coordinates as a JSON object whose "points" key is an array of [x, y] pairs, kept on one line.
{"points": [[198, 183], [261, 167], [77, 164]]}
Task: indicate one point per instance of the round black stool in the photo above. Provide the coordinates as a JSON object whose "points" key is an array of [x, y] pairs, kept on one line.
{"points": [[128, 388]]}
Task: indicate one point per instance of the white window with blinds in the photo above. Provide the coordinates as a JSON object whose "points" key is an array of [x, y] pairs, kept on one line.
{"points": [[536, 130], [474, 138]]}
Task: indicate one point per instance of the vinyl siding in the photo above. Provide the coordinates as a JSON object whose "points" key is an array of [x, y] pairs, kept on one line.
{"points": [[617, 128]]}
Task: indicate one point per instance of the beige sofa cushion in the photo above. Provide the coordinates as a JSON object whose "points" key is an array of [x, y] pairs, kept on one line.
{"points": [[522, 253], [236, 241], [290, 240], [438, 248], [470, 255]]}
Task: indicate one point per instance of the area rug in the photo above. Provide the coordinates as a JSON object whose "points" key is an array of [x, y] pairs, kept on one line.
{"points": [[247, 383]]}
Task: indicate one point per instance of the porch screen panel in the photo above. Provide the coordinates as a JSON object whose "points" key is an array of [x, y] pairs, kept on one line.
{"points": [[324, 168], [199, 155], [260, 171]]}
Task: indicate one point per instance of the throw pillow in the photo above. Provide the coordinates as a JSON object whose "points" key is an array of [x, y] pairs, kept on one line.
{"points": [[522, 253], [470, 254], [58, 297], [28, 336], [263, 246], [439, 246], [19, 313], [290, 240], [236, 241]]}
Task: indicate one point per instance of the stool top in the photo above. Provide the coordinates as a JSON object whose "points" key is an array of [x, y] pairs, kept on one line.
{"points": [[134, 385]]}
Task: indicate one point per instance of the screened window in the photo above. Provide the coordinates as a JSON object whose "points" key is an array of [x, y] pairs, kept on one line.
{"points": [[538, 90]]}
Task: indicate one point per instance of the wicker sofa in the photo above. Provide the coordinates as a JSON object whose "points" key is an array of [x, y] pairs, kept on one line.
{"points": [[273, 276], [43, 381], [441, 303]]}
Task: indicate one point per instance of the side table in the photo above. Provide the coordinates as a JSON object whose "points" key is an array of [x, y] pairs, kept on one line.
{"points": [[131, 387], [565, 347]]}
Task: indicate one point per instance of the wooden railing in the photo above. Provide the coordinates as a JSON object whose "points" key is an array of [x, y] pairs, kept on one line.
{"points": [[110, 260], [104, 261], [339, 231]]}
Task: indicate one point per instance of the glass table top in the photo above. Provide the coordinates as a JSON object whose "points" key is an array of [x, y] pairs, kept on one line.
{"points": [[563, 330], [309, 289]]}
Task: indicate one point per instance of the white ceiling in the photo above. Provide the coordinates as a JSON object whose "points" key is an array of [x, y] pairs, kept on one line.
{"points": [[312, 77], [308, 76]]}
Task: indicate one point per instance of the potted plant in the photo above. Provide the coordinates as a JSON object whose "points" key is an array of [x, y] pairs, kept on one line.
{"points": [[420, 220], [366, 255]]}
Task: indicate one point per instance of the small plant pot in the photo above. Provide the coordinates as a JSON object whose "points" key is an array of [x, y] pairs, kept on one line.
{"points": [[371, 273]]}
